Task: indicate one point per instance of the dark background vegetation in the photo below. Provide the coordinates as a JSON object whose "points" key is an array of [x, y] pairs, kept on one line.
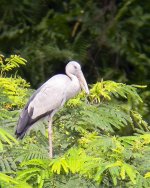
{"points": [[110, 38]]}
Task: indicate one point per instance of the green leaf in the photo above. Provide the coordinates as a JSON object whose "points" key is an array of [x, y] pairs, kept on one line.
{"points": [[147, 175], [59, 164], [7, 179], [131, 172], [28, 173]]}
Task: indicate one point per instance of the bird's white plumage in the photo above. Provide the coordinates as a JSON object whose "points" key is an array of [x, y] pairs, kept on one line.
{"points": [[51, 96]]}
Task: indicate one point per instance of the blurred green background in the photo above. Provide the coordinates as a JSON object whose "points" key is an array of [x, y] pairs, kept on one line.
{"points": [[110, 38]]}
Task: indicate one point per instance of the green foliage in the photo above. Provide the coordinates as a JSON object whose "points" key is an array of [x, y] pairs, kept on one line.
{"points": [[13, 89], [7, 180], [13, 93], [10, 63], [99, 140], [30, 151], [108, 89], [108, 157], [38, 169], [7, 138], [112, 109]]}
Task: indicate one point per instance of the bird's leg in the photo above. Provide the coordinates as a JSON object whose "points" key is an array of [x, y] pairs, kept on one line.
{"points": [[50, 132]]}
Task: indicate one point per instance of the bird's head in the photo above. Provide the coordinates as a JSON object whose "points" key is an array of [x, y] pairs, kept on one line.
{"points": [[74, 68]]}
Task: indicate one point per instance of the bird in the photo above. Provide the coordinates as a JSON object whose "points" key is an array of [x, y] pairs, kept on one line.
{"points": [[50, 97]]}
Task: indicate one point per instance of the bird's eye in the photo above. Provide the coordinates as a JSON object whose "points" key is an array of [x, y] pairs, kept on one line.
{"points": [[75, 67]]}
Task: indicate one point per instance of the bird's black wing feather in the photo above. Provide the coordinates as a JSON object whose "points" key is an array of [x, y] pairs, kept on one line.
{"points": [[25, 121]]}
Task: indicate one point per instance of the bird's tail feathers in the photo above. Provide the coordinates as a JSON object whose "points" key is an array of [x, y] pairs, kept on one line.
{"points": [[23, 124], [25, 121], [20, 135]]}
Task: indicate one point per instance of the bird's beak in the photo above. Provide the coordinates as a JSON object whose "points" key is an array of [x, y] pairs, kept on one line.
{"points": [[83, 82]]}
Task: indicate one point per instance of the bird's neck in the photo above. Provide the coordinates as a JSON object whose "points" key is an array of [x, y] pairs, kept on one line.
{"points": [[71, 76], [73, 87]]}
